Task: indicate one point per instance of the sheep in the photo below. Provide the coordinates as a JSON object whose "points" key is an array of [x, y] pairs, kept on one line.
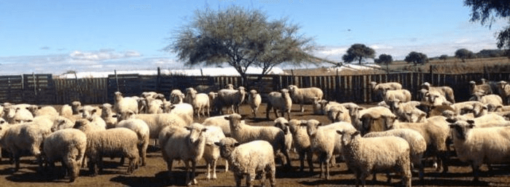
{"points": [[231, 98], [183, 110], [338, 113], [218, 121], [479, 145], [254, 101], [283, 124], [66, 110], [154, 106], [245, 133], [504, 91], [416, 142], [483, 89], [252, 158], [186, 144], [493, 101], [322, 141], [38, 110], [23, 137], [21, 115], [107, 115], [89, 112], [123, 104], [69, 146], [211, 152], [60, 123], [143, 133], [199, 101], [214, 102], [75, 105], [371, 119], [301, 142], [111, 142], [381, 88], [402, 95], [407, 111], [365, 155], [445, 91], [304, 95], [176, 96], [229, 86], [318, 106], [279, 101]]}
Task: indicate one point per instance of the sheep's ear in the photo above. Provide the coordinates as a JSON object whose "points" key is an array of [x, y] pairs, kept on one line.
{"points": [[188, 128], [101, 107], [471, 123], [204, 129], [115, 116], [90, 119], [236, 144], [320, 124], [340, 131], [217, 144], [172, 107], [94, 111], [227, 117], [39, 107], [451, 120], [356, 133]]}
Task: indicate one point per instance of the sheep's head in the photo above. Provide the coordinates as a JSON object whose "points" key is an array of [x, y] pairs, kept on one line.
{"points": [[311, 127], [294, 124], [75, 105], [460, 128], [87, 111], [373, 84], [23, 116], [502, 84], [229, 86], [483, 81], [234, 121], [82, 124], [227, 146], [253, 93], [348, 135], [388, 121], [196, 135], [124, 115], [61, 123], [425, 85], [283, 124], [9, 111]]}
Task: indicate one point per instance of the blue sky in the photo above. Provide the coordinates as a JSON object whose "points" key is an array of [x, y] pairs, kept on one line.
{"points": [[87, 35]]}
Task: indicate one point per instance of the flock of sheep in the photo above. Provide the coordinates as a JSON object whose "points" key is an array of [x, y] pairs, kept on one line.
{"points": [[395, 136]]}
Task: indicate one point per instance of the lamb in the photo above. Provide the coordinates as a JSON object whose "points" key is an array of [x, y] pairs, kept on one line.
{"points": [[38, 110], [142, 132], [246, 133], [186, 144], [183, 110], [245, 160], [338, 113], [365, 155], [301, 142], [214, 102], [199, 101], [416, 142], [154, 106], [381, 88], [123, 104], [283, 124], [107, 115], [304, 95], [176, 96], [68, 146], [445, 91], [231, 98], [61, 123], [218, 121], [323, 142], [480, 145], [254, 101], [111, 142], [279, 101], [318, 106], [23, 137], [504, 91], [211, 152]]}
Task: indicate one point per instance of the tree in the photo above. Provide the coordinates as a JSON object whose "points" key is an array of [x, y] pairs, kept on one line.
{"points": [[486, 11], [416, 58], [384, 59], [241, 38], [358, 52], [443, 57], [463, 54]]}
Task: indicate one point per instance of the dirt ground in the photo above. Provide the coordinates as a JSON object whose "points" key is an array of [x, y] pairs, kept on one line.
{"points": [[154, 173]]}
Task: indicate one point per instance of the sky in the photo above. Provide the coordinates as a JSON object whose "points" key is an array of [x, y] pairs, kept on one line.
{"points": [[54, 36]]}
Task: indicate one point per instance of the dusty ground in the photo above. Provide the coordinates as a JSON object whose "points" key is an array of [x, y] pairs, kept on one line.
{"points": [[154, 173]]}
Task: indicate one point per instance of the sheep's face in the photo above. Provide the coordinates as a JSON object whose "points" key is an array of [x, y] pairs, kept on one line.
{"points": [[229, 86], [81, 124], [366, 124], [87, 111], [311, 127], [234, 121], [9, 112], [227, 146], [347, 136], [61, 123], [388, 121], [461, 128], [283, 124], [196, 134], [294, 124]]}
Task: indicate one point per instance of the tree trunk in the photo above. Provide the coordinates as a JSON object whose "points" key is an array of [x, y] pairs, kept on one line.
{"points": [[360, 58]]}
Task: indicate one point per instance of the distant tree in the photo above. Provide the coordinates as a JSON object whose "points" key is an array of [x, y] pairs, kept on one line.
{"points": [[416, 58], [486, 11], [384, 59], [241, 38], [443, 57], [486, 53], [464, 54], [358, 52]]}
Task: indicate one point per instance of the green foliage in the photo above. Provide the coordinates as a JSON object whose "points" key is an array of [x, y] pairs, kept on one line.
{"points": [[464, 54], [358, 52], [384, 59], [443, 57], [241, 38], [486, 53], [416, 58]]}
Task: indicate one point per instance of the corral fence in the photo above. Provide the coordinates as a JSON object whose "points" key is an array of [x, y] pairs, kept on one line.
{"points": [[44, 89]]}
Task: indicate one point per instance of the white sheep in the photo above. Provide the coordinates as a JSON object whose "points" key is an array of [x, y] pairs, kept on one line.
{"points": [[218, 121], [254, 100], [21, 115], [60, 123], [212, 152], [183, 110], [283, 124], [402, 95], [483, 89], [381, 88], [123, 104], [416, 142], [75, 105], [254, 158], [214, 102], [231, 98], [301, 142], [199, 101], [39, 110], [142, 132], [66, 110], [304, 95], [324, 142], [480, 145], [504, 91], [337, 113], [445, 91], [176, 96], [365, 155], [68, 146], [91, 113], [372, 119], [186, 144], [279, 101], [246, 133], [407, 111], [111, 142], [108, 115], [494, 102]]}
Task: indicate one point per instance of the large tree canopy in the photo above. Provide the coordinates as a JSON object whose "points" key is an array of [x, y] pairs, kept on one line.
{"points": [[241, 38], [416, 58], [358, 52], [463, 54], [486, 11], [384, 59]]}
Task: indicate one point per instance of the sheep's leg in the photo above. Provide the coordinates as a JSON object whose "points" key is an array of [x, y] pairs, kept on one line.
{"points": [[16, 161], [301, 161], [188, 181], [208, 169], [327, 170], [286, 153], [226, 165], [238, 178], [214, 167], [358, 178], [301, 105], [268, 109], [309, 156], [272, 176], [363, 178], [262, 178], [193, 168], [476, 171], [250, 179], [169, 163]]}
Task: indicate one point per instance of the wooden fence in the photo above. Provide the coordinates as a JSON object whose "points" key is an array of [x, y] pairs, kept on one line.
{"points": [[43, 89]]}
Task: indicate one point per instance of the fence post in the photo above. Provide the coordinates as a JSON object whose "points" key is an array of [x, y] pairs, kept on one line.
{"points": [[35, 83], [431, 74], [116, 79], [158, 80]]}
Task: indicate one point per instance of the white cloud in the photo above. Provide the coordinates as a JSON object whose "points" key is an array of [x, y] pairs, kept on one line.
{"points": [[103, 54]]}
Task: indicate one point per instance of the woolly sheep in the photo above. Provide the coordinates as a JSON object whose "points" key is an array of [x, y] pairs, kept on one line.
{"points": [[22, 115], [445, 91], [365, 155], [183, 110], [283, 124], [244, 133], [199, 101], [407, 111], [111, 142], [107, 115], [75, 105], [66, 110], [60, 123], [304, 95], [402, 95], [480, 145], [254, 101], [142, 132], [218, 121], [279, 101], [39, 110], [212, 152], [123, 104], [483, 89], [301, 142], [372, 118], [416, 142], [318, 106], [186, 144], [231, 98], [504, 91], [338, 113], [254, 158], [176, 96], [381, 88], [229, 86], [214, 102], [154, 106], [89, 112], [494, 102], [69, 146], [324, 144]]}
